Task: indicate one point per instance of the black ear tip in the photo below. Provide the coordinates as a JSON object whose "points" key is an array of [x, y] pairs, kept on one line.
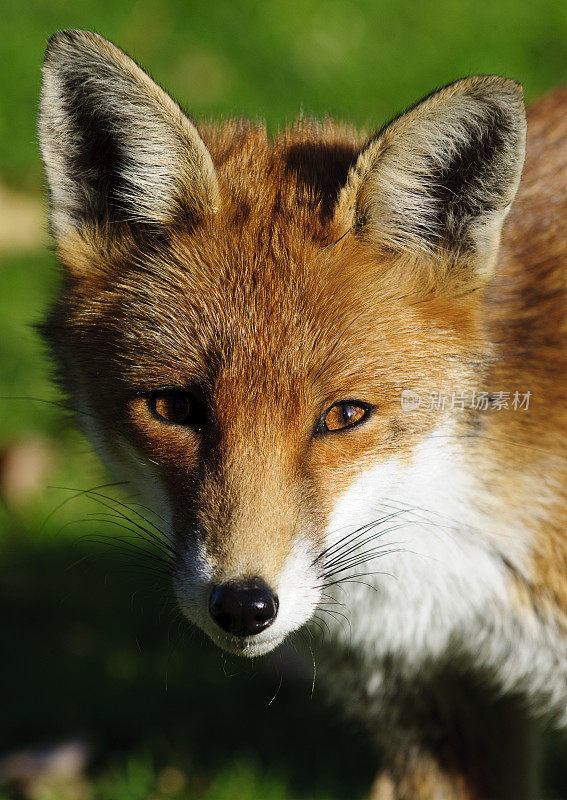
{"points": [[483, 83], [510, 85], [519, 89], [61, 39], [514, 92], [503, 86], [68, 41]]}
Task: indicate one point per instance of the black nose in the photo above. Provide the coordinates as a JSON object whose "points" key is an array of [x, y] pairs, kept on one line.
{"points": [[243, 608]]}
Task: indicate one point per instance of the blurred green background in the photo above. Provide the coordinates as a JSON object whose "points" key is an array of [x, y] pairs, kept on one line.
{"points": [[95, 659]]}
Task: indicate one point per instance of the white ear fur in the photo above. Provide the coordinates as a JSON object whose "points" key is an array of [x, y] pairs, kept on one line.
{"points": [[442, 176], [116, 147]]}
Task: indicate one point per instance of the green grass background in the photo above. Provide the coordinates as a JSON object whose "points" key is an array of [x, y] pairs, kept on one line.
{"points": [[91, 644]]}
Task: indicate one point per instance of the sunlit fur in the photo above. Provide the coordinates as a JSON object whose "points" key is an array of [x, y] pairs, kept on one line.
{"points": [[276, 278]]}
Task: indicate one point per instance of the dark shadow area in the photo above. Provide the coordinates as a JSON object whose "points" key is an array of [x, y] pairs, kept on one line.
{"points": [[320, 168], [94, 646], [555, 765]]}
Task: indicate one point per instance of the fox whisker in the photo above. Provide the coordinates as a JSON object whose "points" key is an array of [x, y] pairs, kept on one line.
{"points": [[45, 401], [152, 541], [337, 559], [78, 493], [353, 535]]}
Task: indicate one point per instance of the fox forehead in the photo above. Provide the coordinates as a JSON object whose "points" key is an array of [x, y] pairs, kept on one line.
{"points": [[262, 292], [226, 309]]}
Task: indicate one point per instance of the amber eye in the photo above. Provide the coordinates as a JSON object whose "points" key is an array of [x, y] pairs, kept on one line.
{"points": [[343, 415], [178, 407]]}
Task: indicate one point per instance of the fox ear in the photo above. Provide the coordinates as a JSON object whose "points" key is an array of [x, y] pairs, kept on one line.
{"points": [[116, 147], [442, 176]]}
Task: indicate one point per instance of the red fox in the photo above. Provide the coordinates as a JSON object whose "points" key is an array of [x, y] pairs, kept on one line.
{"points": [[335, 366]]}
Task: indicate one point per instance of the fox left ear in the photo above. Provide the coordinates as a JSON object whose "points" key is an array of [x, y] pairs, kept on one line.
{"points": [[116, 147], [440, 178]]}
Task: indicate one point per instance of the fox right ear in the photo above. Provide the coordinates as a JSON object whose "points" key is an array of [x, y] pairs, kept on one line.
{"points": [[440, 178], [116, 147]]}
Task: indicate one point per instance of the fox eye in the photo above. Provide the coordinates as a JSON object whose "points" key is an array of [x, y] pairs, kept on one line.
{"points": [[343, 415], [177, 407]]}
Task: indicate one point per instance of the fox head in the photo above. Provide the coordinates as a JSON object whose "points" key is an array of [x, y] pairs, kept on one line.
{"points": [[239, 318]]}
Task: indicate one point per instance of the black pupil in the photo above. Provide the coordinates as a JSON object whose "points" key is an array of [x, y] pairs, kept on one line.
{"points": [[180, 406], [348, 413]]}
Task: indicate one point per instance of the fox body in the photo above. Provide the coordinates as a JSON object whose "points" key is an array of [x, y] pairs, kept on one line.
{"points": [[239, 322]]}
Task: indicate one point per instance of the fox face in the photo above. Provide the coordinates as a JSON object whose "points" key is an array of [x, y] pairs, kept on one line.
{"points": [[239, 319]]}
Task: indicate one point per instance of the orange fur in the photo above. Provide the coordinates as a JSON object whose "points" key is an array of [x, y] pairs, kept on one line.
{"points": [[286, 288]]}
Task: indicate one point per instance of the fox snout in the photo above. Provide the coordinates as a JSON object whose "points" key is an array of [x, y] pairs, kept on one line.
{"points": [[243, 608], [244, 598]]}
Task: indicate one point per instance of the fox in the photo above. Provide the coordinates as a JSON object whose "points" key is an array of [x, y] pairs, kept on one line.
{"points": [[334, 366]]}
